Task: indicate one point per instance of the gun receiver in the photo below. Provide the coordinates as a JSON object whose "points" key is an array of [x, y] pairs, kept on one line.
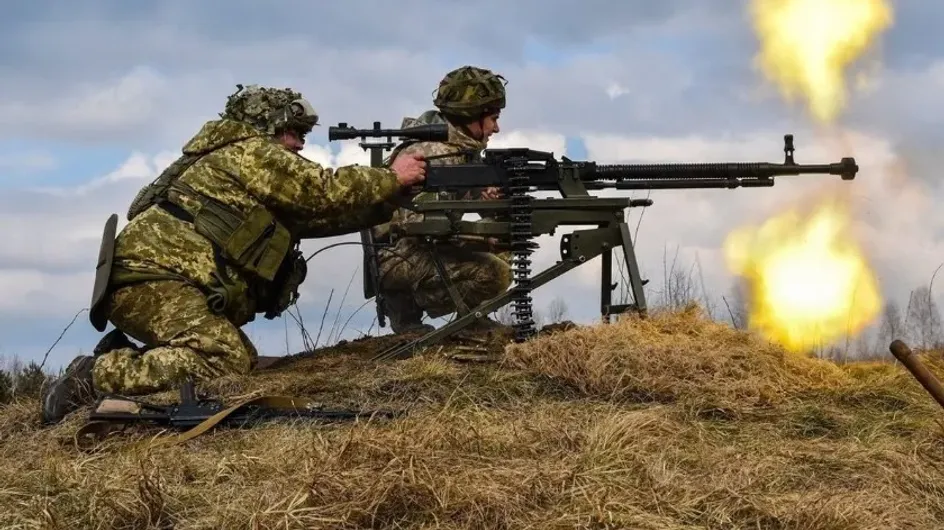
{"points": [[575, 177]]}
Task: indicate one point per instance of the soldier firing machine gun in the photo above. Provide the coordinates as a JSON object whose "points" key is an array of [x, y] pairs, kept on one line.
{"points": [[521, 217]]}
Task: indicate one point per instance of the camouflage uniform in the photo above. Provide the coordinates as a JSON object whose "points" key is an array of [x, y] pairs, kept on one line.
{"points": [[201, 258], [409, 280]]}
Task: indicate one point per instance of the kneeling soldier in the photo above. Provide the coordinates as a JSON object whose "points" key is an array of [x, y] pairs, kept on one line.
{"points": [[213, 241]]}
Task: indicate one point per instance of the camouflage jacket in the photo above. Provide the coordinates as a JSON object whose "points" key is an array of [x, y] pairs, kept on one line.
{"points": [[243, 169], [461, 146]]}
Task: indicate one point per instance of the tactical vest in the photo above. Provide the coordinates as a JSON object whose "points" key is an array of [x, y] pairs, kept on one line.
{"points": [[255, 242]]}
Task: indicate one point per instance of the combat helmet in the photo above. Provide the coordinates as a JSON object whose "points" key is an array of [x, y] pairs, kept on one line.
{"points": [[470, 92], [271, 110]]}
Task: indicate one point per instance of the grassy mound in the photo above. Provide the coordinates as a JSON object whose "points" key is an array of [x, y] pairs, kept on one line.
{"points": [[673, 422]]}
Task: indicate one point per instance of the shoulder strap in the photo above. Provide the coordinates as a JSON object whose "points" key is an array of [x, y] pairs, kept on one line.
{"points": [[156, 191]]}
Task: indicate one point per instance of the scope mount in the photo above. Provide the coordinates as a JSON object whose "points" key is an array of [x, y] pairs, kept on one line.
{"points": [[351, 133]]}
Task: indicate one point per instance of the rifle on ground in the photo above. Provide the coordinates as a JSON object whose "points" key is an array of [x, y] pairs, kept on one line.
{"points": [[423, 133], [520, 171], [198, 414]]}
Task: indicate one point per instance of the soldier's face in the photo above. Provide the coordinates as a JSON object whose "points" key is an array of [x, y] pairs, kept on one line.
{"points": [[490, 125], [292, 141], [486, 127]]}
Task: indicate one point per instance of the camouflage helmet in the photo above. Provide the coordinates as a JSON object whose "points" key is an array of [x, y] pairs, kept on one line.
{"points": [[271, 110], [470, 92]]}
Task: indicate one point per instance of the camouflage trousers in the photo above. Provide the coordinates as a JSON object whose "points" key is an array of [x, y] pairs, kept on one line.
{"points": [[182, 338], [411, 284]]}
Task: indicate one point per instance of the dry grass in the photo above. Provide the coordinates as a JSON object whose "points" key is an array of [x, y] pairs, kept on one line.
{"points": [[670, 423]]}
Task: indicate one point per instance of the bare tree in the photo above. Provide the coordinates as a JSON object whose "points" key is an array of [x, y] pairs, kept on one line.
{"points": [[678, 284], [737, 302], [680, 289], [893, 323], [6, 386], [556, 310], [923, 320], [867, 345], [709, 304]]}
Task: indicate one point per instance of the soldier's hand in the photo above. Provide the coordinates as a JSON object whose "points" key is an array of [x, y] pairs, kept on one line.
{"points": [[410, 169], [491, 194]]}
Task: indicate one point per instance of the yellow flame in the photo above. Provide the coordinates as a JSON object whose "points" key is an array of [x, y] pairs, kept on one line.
{"points": [[809, 282], [806, 45]]}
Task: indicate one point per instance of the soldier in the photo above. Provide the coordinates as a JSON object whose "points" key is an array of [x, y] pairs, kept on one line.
{"points": [[470, 101], [213, 241]]}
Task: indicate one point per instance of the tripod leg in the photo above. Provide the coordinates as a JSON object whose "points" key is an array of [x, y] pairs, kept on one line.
{"points": [[632, 269], [462, 308], [606, 284], [372, 274]]}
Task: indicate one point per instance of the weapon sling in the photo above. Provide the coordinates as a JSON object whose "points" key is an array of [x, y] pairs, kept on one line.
{"points": [[113, 413]]}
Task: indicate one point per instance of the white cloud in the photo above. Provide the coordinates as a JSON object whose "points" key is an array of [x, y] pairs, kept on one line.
{"points": [[128, 102], [60, 228], [615, 90], [35, 292], [27, 162], [137, 169], [537, 140]]}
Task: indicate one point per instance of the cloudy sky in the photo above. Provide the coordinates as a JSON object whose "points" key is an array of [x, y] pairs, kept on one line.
{"points": [[98, 96]]}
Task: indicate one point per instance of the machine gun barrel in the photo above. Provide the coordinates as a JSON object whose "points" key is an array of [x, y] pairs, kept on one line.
{"points": [[712, 174], [709, 175]]}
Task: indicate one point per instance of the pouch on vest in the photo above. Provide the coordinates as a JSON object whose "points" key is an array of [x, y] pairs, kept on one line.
{"points": [[106, 256], [279, 295], [257, 243]]}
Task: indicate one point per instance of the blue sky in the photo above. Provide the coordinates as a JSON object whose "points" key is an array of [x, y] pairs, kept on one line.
{"points": [[98, 95]]}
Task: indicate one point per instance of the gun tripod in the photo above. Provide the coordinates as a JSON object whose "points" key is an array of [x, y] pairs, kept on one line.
{"points": [[576, 249]]}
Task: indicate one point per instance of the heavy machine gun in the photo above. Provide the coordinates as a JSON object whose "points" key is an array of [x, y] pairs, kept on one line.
{"points": [[519, 217]]}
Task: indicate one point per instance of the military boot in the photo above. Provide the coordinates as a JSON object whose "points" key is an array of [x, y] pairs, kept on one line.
{"points": [[71, 391], [113, 340], [405, 316]]}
